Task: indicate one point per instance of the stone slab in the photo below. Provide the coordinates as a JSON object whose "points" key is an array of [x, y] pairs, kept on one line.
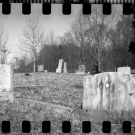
{"points": [[125, 70], [81, 70], [109, 91], [40, 68], [6, 77], [6, 83]]}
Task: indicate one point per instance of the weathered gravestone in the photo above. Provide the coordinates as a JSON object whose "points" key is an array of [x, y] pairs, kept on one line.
{"points": [[40, 68], [133, 71], [6, 83], [81, 69], [59, 69], [126, 70], [65, 68], [109, 91]]}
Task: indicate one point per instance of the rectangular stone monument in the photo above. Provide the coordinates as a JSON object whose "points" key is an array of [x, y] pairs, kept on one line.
{"points": [[59, 69], [65, 68], [133, 71], [81, 69], [125, 70], [40, 68], [6, 82], [6, 77], [109, 91]]}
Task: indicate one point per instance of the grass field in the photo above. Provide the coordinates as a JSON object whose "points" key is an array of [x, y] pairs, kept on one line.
{"points": [[64, 90]]}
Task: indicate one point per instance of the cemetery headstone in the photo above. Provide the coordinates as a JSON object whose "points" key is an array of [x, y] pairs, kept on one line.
{"points": [[133, 71], [59, 69], [6, 82], [88, 73], [81, 69], [65, 67], [109, 91], [40, 68], [125, 70], [45, 71]]}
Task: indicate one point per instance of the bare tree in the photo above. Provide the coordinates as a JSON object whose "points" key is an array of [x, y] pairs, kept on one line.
{"points": [[33, 38], [98, 27], [78, 30], [4, 51], [67, 40], [120, 38], [125, 30], [51, 39]]}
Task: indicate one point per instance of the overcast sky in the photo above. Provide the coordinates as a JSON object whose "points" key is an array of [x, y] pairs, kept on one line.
{"points": [[57, 22]]}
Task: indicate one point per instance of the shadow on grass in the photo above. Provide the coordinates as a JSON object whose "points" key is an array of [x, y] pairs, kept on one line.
{"points": [[78, 86]]}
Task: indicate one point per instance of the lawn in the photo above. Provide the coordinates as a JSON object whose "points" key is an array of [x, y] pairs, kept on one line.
{"points": [[50, 97]]}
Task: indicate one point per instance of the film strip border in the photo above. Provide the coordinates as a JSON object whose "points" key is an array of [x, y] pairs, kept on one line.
{"points": [[66, 9], [66, 127], [69, 1]]}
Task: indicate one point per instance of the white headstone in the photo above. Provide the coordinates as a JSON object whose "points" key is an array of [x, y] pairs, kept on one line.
{"points": [[6, 77], [45, 71], [88, 73], [125, 70], [6, 82], [59, 69], [65, 67], [40, 68]]}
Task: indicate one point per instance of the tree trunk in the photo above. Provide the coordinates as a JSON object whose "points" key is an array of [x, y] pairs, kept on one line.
{"points": [[99, 64], [43, 62], [83, 56], [34, 69], [98, 61], [80, 61]]}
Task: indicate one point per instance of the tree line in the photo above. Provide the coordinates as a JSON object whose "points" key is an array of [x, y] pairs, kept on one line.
{"points": [[92, 39]]}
